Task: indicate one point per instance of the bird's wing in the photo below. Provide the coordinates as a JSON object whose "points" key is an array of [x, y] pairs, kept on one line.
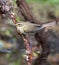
{"points": [[33, 28], [40, 27], [37, 25], [51, 24]]}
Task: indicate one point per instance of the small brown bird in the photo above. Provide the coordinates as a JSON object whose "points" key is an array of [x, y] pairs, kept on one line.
{"points": [[27, 27]]}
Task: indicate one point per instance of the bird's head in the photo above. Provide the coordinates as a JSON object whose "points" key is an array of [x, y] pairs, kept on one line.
{"points": [[19, 24]]}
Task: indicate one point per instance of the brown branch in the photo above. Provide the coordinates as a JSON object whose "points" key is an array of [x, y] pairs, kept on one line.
{"points": [[27, 45], [40, 38], [25, 11], [45, 49], [26, 41]]}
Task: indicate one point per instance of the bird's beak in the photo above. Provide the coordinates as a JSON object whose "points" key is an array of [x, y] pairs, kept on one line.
{"points": [[16, 24]]}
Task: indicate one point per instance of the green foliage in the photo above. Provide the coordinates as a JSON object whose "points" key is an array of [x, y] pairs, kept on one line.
{"points": [[18, 19], [14, 3], [32, 1], [44, 1]]}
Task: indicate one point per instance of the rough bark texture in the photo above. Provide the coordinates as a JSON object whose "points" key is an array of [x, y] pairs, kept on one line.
{"points": [[45, 51], [25, 11]]}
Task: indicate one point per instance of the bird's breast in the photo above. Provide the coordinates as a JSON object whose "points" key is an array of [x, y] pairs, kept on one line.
{"points": [[20, 29]]}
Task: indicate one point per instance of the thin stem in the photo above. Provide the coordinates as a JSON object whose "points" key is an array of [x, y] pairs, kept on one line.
{"points": [[26, 41]]}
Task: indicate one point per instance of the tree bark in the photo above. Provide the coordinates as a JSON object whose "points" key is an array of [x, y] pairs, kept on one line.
{"points": [[25, 11]]}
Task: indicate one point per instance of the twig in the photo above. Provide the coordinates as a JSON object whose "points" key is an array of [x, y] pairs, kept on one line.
{"points": [[26, 41]]}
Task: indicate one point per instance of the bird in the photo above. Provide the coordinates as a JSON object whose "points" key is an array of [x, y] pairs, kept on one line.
{"points": [[28, 27]]}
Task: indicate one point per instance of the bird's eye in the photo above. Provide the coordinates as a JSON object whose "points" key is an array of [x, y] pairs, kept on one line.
{"points": [[20, 25]]}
